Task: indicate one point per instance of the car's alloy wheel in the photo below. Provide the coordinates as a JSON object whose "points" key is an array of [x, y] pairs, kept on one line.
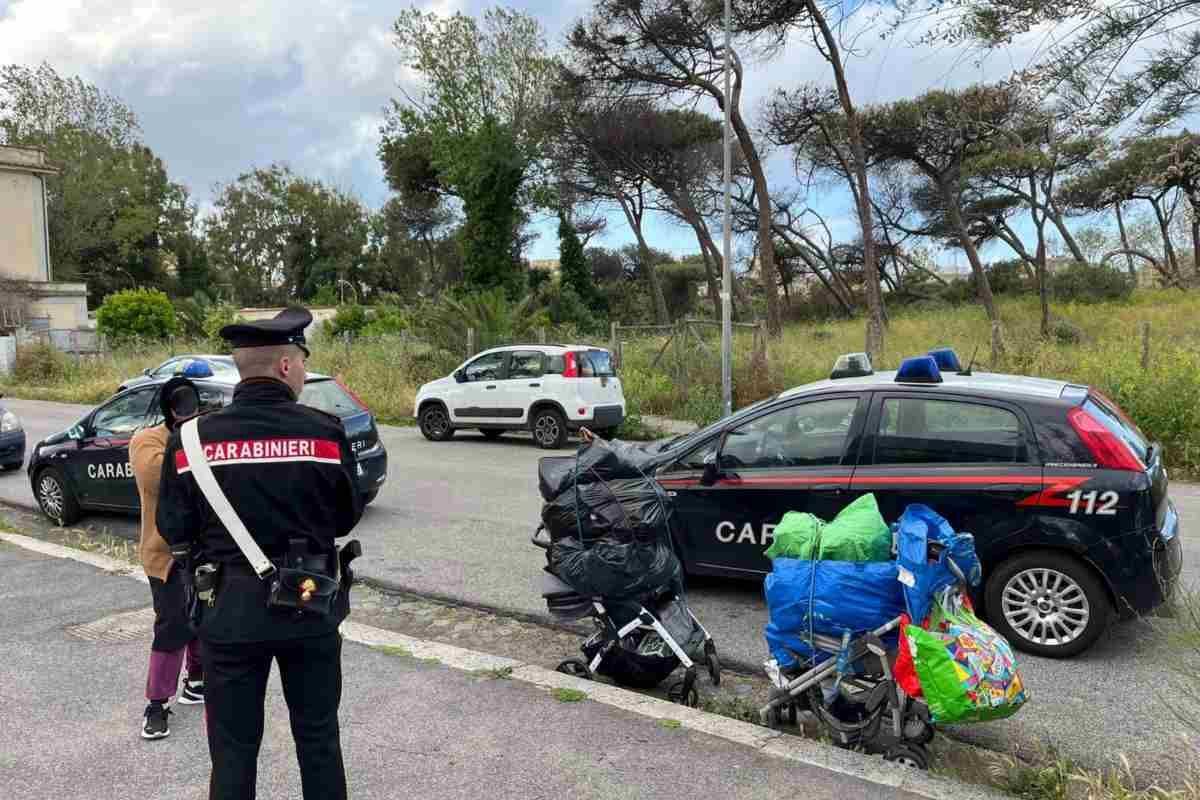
{"points": [[435, 424], [548, 430], [50, 495], [1048, 603], [1046, 607], [55, 498]]}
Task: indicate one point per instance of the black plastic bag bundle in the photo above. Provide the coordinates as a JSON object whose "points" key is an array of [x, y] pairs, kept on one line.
{"points": [[599, 461], [609, 568], [630, 509]]}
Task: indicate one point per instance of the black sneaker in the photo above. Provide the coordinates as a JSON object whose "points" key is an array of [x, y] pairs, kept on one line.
{"points": [[155, 725], [192, 694]]}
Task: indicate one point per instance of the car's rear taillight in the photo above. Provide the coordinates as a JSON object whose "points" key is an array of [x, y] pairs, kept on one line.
{"points": [[1108, 450], [572, 366]]}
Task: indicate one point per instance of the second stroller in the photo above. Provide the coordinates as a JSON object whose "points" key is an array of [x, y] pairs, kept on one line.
{"points": [[606, 531]]}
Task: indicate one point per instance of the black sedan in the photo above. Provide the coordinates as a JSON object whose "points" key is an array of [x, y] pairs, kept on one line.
{"points": [[1066, 498], [86, 467], [12, 440]]}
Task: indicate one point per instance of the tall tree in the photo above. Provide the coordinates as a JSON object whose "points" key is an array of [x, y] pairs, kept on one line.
{"points": [[1091, 65], [112, 209], [1138, 172], [780, 17], [573, 266], [474, 126], [671, 49]]}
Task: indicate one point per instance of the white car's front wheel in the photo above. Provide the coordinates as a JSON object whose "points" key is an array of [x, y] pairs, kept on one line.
{"points": [[435, 423]]}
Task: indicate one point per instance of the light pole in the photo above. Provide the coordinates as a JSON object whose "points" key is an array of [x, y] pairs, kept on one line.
{"points": [[726, 270]]}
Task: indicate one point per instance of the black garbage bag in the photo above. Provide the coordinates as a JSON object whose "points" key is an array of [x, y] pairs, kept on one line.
{"points": [[609, 568], [626, 510], [595, 462]]}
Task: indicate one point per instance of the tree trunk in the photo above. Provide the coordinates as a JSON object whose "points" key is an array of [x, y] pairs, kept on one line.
{"points": [[766, 253], [1195, 241], [1043, 297], [1125, 244], [688, 210], [1164, 229], [875, 323], [661, 315], [984, 288], [1065, 233]]}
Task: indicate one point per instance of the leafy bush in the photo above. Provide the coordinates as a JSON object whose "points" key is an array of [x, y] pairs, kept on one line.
{"points": [[349, 321], [386, 321], [1086, 283], [679, 283], [1008, 277], [564, 306], [136, 314]]}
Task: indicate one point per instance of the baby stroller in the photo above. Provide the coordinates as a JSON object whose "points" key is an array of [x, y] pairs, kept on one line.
{"points": [[848, 684], [609, 556], [633, 645]]}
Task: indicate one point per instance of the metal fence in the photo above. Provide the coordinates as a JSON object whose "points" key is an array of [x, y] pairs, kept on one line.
{"points": [[68, 341]]}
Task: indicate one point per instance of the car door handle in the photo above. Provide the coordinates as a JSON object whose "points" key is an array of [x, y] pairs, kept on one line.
{"points": [[489, 388], [534, 385]]}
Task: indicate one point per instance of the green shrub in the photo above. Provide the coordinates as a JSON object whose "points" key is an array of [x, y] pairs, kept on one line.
{"points": [[1086, 283], [136, 314], [349, 321], [386, 321], [564, 306]]}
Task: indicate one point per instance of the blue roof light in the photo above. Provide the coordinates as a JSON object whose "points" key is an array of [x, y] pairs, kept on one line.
{"points": [[921, 369], [946, 359], [197, 369]]}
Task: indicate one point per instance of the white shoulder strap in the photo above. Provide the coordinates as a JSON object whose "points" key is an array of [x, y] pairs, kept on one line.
{"points": [[190, 434]]}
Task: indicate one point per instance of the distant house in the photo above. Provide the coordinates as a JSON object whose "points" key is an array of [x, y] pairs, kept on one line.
{"points": [[31, 299], [551, 265]]}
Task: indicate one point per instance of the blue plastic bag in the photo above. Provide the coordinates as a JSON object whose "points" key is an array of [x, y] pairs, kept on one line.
{"points": [[829, 598], [922, 579]]}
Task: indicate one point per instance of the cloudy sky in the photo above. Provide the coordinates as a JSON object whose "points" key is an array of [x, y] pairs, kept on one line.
{"points": [[224, 85]]}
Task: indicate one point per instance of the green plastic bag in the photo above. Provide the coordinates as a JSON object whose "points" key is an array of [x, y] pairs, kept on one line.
{"points": [[858, 533], [968, 672]]}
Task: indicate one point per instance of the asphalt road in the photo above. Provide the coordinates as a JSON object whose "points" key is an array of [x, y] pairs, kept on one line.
{"points": [[408, 728], [454, 520]]}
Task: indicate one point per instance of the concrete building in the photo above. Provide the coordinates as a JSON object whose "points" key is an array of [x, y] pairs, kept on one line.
{"points": [[33, 299]]}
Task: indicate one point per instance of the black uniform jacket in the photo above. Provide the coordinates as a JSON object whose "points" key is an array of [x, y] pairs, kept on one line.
{"points": [[288, 472]]}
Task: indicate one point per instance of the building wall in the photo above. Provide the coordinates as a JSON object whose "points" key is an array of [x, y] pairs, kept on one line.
{"points": [[22, 227], [23, 238], [64, 303], [319, 313]]}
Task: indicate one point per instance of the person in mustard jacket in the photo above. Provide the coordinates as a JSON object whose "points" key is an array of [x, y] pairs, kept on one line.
{"points": [[174, 641]]}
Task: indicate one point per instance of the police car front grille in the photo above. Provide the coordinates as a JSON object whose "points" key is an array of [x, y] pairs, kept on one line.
{"points": [[130, 626]]}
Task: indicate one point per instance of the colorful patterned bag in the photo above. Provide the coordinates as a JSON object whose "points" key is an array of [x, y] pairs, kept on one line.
{"points": [[967, 671]]}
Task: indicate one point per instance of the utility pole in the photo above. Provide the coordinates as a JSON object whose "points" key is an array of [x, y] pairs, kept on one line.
{"points": [[726, 270]]}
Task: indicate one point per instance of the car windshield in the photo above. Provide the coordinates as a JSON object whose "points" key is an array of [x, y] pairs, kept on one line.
{"points": [[686, 439], [328, 396]]}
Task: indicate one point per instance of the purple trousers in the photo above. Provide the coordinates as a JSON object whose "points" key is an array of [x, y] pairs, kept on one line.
{"points": [[162, 681]]}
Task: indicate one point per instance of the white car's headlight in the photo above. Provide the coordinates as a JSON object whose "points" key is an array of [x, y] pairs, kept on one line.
{"points": [[9, 422]]}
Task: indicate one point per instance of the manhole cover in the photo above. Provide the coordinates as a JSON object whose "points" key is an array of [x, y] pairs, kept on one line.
{"points": [[130, 626]]}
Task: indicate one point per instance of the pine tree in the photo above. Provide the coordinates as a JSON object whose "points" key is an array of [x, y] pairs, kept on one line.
{"points": [[573, 265]]}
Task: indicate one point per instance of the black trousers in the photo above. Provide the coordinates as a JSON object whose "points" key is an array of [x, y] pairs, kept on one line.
{"points": [[235, 688]]}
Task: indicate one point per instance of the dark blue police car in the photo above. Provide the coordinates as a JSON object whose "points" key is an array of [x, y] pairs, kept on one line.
{"points": [[86, 467], [1066, 498]]}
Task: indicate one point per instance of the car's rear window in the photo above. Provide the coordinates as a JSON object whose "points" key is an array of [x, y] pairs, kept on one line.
{"points": [[602, 366], [329, 397], [1118, 424]]}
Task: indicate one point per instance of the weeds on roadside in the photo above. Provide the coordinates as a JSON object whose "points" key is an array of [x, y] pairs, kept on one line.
{"points": [[569, 695]]}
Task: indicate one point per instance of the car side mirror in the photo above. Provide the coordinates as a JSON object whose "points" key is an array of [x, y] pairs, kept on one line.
{"points": [[146, 372], [460, 376]]}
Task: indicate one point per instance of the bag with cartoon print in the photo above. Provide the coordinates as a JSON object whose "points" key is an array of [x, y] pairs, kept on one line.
{"points": [[967, 671]]}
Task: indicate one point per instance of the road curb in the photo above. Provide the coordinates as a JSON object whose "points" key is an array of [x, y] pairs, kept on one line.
{"points": [[871, 769]]}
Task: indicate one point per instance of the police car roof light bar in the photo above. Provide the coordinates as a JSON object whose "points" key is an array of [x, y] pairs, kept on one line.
{"points": [[851, 365], [947, 359], [921, 369]]}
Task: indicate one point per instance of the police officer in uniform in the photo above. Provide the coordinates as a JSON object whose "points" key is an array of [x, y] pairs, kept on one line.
{"points": [[288, 473]]}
